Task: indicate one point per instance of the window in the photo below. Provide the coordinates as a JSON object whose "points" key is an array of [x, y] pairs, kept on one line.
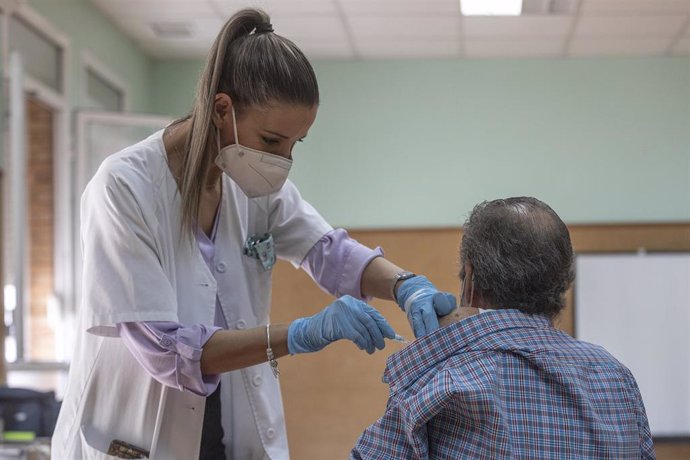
{"points": [[43, 59], [37, 236], [101, 94]]}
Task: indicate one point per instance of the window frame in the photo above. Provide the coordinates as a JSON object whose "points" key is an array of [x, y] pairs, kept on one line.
{"points": [[59, 102], [89, 63]]}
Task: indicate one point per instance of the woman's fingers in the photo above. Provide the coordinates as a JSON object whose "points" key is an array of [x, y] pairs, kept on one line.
{"points": [[361, 336], [430, 320], [361, 323], [385, 328], [417, 323], [371, 325]]}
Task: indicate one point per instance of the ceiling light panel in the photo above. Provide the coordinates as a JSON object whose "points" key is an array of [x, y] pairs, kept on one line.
{"points": [[198, 29], [157, 10], [491, 7], [172, 29]]}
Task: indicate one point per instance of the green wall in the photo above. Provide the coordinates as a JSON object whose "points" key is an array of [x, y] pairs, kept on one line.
{"points": [[172, 86], [418, 143], [89, 30]]}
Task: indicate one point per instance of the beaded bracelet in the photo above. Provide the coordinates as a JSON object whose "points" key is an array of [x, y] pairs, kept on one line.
{"points": [[269, 353]]}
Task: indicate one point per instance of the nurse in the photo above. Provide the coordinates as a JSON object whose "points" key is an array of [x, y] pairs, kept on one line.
{"points": [[175, 355]]}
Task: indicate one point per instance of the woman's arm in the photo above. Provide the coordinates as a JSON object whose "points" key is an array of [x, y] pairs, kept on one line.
{"points": [[377, 278], [231, 350], [338, 263], [171, 353], [346, 318], [192, 357]]}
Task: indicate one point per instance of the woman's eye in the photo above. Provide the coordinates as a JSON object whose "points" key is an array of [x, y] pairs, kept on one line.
{"points": [[269, 141]]}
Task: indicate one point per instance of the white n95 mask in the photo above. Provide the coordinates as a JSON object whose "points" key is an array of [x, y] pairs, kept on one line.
{"points": [[257, 173]]}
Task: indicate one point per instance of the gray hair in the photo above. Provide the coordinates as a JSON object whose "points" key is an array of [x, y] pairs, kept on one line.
{"points": [[520, 253], [255, 67]]}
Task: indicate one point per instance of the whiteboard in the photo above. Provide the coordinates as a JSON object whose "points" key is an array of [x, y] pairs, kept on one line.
{"points": [[638, 308]]}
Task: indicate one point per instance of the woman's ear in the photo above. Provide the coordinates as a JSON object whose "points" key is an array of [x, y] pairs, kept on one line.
{"points": [[222, 107]]}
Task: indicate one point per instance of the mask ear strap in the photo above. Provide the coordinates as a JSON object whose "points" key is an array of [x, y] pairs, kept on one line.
{"points": [[472, 290], [234, 126]]}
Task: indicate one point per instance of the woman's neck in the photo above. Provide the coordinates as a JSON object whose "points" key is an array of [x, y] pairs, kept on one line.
{"points": [[175, 142]]}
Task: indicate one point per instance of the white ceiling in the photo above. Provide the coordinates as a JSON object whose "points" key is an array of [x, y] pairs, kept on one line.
{"points": [[371, 29]]}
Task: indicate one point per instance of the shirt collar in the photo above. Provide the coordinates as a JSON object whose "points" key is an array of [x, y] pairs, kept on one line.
{"points": [[405, 366]]}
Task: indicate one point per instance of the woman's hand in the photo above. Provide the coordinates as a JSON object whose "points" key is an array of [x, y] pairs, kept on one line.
{"points": [[415, 297], [444, 301], [346, 318]]}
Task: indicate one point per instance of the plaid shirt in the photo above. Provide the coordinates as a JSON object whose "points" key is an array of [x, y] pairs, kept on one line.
{"points": [[503, 384]]}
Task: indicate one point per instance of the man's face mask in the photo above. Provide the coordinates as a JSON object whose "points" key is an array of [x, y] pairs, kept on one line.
{"points": [[257, 173]]}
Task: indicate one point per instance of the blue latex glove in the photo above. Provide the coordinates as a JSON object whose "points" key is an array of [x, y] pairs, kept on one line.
{"points": [[444, 301], [415, 297], [346, 318]]}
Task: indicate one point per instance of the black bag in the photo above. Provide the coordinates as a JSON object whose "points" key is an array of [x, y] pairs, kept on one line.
{"points": [[28, 410]]}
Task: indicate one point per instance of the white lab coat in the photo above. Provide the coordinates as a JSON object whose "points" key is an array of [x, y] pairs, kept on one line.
{"points": [[137, 267]]}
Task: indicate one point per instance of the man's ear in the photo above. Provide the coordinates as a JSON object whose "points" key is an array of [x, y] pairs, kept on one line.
{"points": [[222, 108]]}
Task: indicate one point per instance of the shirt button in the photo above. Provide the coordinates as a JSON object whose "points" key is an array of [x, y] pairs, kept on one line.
{"points": [[270, 433], [166, 341], [220, 266], [257, 380], [241, 324]]}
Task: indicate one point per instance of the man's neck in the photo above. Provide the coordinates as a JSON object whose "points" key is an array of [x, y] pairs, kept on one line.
{"points": [[456, 315]]}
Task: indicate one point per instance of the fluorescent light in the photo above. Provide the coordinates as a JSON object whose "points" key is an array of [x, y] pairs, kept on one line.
{"points": [[491, 7], [10, 297], [10, 349], [52, 312]]}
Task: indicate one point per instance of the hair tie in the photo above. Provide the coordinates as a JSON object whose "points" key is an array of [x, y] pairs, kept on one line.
{"points": [[264, 28]]}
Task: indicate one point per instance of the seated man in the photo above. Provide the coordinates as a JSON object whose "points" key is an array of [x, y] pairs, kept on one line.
{"points": [[498, 380]]}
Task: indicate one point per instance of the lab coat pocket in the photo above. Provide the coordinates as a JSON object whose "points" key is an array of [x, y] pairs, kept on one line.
{"points": [[89, 451], [254, 267]]}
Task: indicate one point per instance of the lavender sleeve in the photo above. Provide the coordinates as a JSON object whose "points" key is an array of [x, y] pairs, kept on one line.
{"points": [[171, 353], [336, 262]]}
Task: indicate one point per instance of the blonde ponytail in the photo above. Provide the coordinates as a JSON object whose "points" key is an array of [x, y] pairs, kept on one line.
{"points": [[201, 136]]}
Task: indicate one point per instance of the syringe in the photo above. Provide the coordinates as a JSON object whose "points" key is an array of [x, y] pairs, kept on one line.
{"points": [[401, 339]]}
